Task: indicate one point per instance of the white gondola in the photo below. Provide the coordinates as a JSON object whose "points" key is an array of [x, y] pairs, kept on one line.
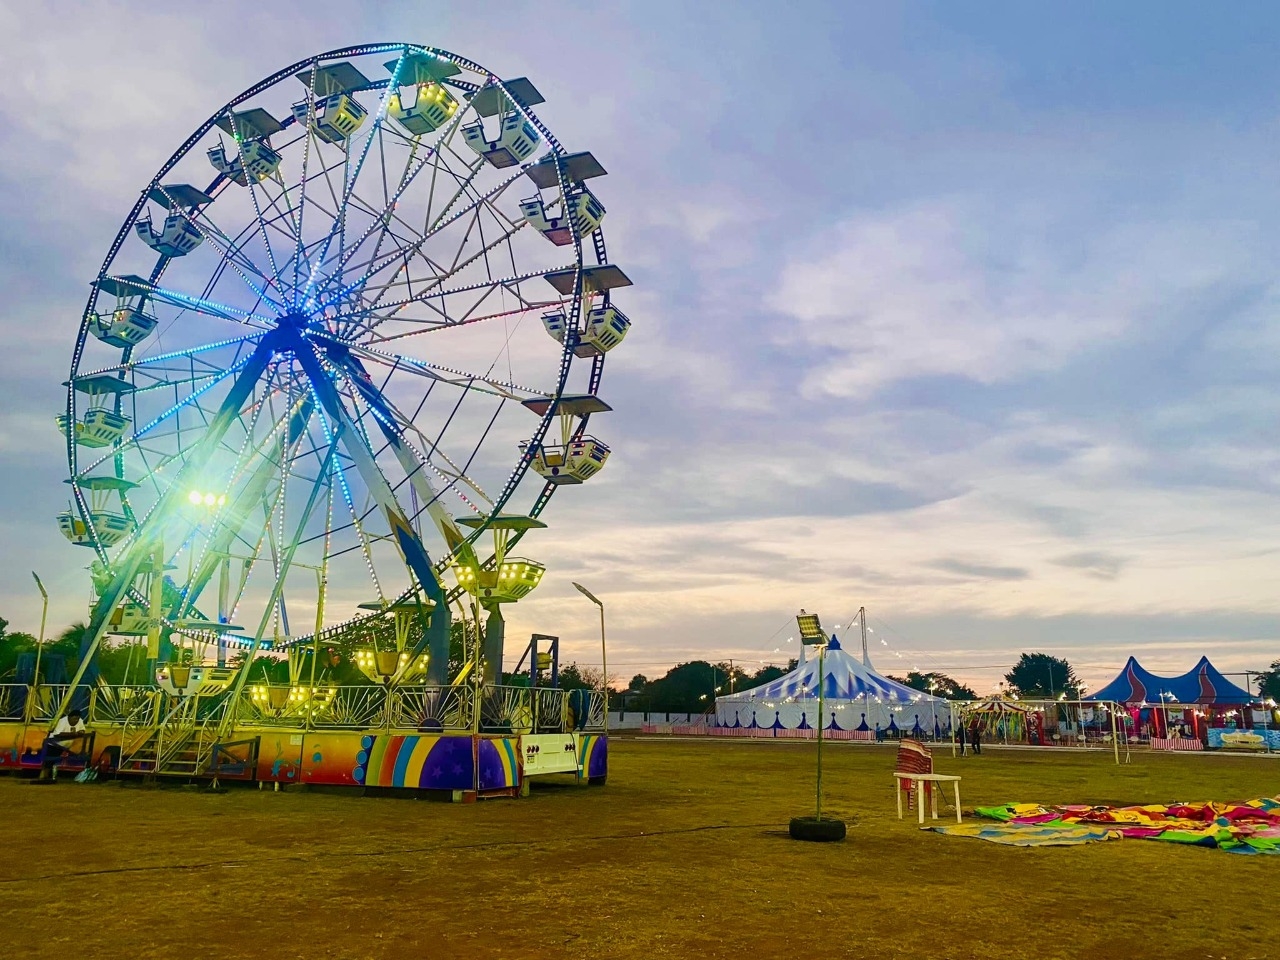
{"points": [[128, 324], [126, 327], [574, 459], [556, 325], [604, 329], [509, 578], [517, 138], [179, 235], [421, 103], [109, 526], [516, 141], [336, 118], [99, 428], [252, 157], [102, 424], [130, 619], [333, 112], [253, 160], [578, 216], [422, 108], [575, 462]]}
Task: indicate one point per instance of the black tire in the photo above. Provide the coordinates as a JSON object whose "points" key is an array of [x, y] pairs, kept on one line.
{"points": [[825, 830]]}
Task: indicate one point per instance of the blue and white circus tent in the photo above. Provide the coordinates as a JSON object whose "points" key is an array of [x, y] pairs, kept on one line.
{"points": [[856, 698]]}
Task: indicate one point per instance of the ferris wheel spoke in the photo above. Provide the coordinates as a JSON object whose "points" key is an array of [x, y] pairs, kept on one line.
{"points": [[233, 255], [414, 248], [382, 225], [436, 294], [338, 228], [405, 426], [383, 218], [208, 308], [394, 426], [189, 400], [449, 375]]}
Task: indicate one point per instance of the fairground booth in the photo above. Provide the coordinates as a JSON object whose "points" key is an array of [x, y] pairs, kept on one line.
{"points": [[1041, 723], [1200, 708]]}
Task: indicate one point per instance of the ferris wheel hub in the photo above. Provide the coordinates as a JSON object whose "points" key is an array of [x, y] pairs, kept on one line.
{"points": [[296, 320]]}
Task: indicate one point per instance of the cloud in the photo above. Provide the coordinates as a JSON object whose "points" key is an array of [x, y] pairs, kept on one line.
{"points": [[978, 571], [984, 288], [1095, 563], [906, 335]]}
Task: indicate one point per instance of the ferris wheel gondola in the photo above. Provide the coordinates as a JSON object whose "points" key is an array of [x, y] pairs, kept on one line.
{"points": [[305, 370]]}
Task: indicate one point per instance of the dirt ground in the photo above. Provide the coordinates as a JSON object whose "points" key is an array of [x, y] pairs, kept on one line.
{"points": [[683, 855]]}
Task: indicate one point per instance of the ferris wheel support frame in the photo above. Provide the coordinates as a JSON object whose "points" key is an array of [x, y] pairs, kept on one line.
{"points": [[147, 541]]}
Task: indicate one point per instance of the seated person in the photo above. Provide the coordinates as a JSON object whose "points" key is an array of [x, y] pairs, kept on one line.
{"points": [[70, 728]]}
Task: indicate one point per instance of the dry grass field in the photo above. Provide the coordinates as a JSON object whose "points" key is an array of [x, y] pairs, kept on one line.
{"points": [[683, 855]]}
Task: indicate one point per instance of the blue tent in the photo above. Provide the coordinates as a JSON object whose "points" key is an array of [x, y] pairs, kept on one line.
{"points": [[1202, 684]]}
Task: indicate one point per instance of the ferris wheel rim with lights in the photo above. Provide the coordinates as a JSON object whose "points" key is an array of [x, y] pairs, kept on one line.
{"points": [[273, 371]]}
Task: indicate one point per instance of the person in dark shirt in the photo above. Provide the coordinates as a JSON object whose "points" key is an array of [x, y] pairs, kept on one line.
{"points": [[975, 737], [960, 737]]}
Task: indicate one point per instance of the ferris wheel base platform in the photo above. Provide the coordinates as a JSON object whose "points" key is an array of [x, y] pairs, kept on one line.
{"points": [[461, 767]]}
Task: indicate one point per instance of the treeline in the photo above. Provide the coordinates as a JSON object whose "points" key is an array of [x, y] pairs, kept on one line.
{"points": [[686, 688]]}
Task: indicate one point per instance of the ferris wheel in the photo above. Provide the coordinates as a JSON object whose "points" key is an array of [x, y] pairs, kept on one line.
{"points": [[353, 312]]}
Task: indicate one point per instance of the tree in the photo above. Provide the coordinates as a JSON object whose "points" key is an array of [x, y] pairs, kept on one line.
{"points": [[769, 674], [1269, 682], [937, 684], [638, 683], [123, 662], [12, 646], [1041, 676], [688, 687]]}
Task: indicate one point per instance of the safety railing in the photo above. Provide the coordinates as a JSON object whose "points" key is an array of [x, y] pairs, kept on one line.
{"points": [[151, 718], [353, 708], [595, 711], [551, 711], [282, 705], [120, 705], [13, 701], [506, 709], [43, 701], [432, 707]]}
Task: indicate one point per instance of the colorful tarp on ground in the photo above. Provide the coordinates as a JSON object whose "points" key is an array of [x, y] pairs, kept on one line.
{"points": [[1252, 826]]}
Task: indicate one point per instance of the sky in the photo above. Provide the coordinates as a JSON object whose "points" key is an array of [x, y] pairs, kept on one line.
{"points": [[962, 312]]}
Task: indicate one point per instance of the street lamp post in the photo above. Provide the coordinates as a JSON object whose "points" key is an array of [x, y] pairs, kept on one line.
{"points": [[604, 657], [44, 614]]}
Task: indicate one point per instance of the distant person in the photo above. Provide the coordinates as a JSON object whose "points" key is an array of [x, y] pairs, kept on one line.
{"points": [[68, 729], [975, 738], [960, 737]]}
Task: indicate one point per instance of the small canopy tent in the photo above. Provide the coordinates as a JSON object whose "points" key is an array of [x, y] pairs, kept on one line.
{"points": [[1001, 717], [857, 698]]}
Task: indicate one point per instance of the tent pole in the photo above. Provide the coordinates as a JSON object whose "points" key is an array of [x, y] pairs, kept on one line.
{"points": [[822, 688], [1115, 740]]}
